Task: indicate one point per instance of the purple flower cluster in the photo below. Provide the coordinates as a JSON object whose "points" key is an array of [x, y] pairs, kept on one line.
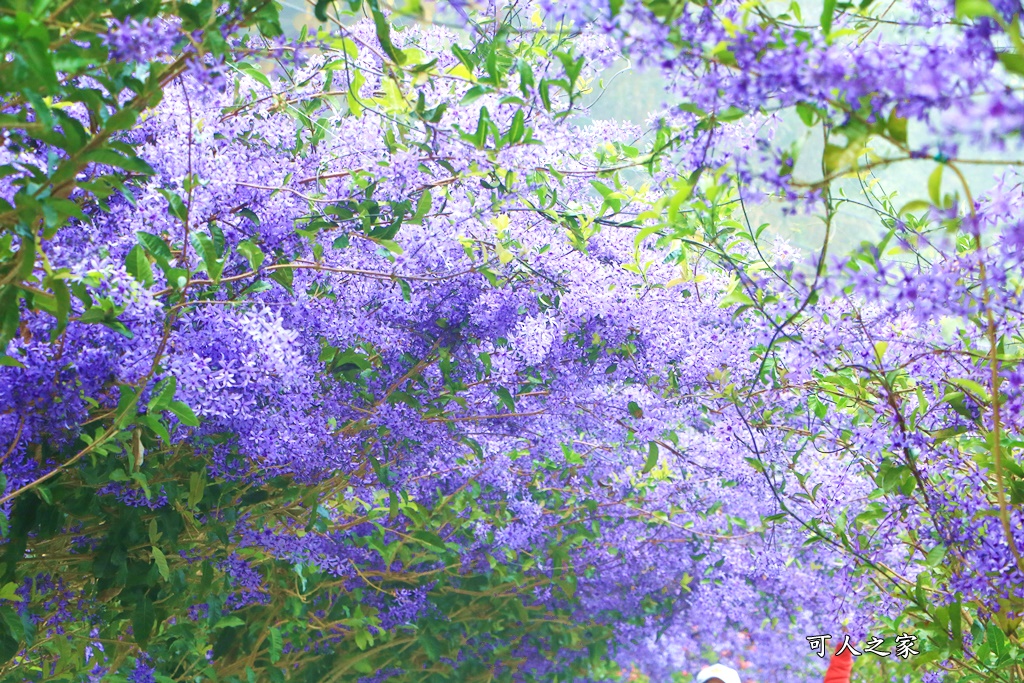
{"points": [[143, 672], [408, 607], [593, 382], [246, 580], [131, 40]]}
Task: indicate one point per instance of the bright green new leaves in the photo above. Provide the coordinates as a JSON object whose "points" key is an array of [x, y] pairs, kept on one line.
{"points": [[210, 248], [973, 9], [828, 9]]}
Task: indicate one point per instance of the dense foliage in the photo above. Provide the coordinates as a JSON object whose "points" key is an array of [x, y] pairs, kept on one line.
{"points": [[364, 356]]}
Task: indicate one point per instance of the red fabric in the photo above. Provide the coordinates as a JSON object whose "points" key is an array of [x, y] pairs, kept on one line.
{"points": [[839, 668]]}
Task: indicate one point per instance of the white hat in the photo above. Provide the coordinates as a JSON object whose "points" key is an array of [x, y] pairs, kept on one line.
{"points": [[723, 673]]}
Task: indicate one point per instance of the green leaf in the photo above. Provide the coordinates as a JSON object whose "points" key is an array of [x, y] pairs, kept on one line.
{"points": [[352, 94], [228, 622], [431, 645], [155, 246], [196, 487], [157, 426], [422, 207], [518, 127], [807, 113], [143, 620], [14, 623], [652, 457], [122, 119], [957, 401], [645, 233], [834, 157], [137, 265], [828, 9], [475, 93], [176, 205], [1012, 62], [428, 537], [126, 404], [255, 74], [897, 126], [730, 114], [466, 58], [383, 27], [62, 297], [504, 255], [935, 556], [109, 157], [572, 67], [161, 563], [393, 505], [276, 644], [996, 639], [320, 9], [162, 395], [935, 185], [391, 245], [505, 396], [142, 481], [9, 319], [38, 58], [972, 9], [635, 410], [479, 138], [184, 413], [217, 235], [207, 250], [44, 493], [955, 626], [284, 277], [8, 647], [544, 89], [525, 77], [914, 205], [253, 254], [363, 638], [976, 389]]}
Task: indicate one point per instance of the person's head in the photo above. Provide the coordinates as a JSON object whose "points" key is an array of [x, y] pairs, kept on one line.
{"points": [[717, 673]]}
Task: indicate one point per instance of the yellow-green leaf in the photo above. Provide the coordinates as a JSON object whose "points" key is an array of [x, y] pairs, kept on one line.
{"points": [[161, 563]]}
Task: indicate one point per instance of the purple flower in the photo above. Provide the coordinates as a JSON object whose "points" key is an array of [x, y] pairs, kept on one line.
{"points": [[143, 672], [131, 40]]}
